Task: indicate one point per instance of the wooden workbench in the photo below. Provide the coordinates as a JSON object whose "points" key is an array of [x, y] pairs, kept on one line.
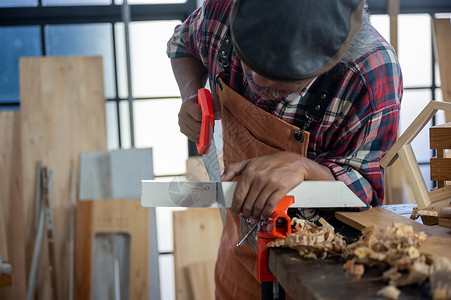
{"points": [[325, 279]]}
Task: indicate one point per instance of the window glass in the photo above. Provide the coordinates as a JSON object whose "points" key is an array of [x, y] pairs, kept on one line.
{"points": [[112, 125], [151, 68], [18, 3], [156, 126], [15, 42], [426, 172], [413, 103], [382, 25], [124, 115], [415, 52], [75, 2], [150, 1], [121, 60], [84, 39]]}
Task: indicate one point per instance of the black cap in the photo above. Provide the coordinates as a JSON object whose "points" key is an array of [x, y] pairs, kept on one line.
{"points": [[292, 40]]}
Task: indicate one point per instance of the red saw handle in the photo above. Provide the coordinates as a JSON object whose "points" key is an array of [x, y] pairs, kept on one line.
{"points": [[206, 128]]}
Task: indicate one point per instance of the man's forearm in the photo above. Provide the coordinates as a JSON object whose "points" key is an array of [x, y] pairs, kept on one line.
{"points": [[190, 75], [319, 172]]}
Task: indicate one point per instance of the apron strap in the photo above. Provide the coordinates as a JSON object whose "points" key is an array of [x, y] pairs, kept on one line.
{"points": [[224, 54], [325, 90]]}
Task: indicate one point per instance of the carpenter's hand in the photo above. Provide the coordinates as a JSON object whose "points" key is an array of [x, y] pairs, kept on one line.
{"points": [[265, 181], [190, 116]]}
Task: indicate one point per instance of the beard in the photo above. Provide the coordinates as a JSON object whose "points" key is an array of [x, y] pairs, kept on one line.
{"points": [[266, 93]]}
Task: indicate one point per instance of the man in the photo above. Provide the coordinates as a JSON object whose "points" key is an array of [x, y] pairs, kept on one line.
{"points": [[309, 91]]}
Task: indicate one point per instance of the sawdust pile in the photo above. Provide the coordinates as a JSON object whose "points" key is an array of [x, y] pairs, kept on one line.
{"points": [[312, 241], [397, 249], [394, 248]]}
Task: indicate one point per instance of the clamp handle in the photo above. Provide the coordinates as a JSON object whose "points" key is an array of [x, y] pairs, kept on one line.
{"points": [[206, 127], [279, 223], [278, 226]]}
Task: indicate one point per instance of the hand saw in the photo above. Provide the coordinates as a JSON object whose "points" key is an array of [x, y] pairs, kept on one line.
{"points": [[207, 147]]}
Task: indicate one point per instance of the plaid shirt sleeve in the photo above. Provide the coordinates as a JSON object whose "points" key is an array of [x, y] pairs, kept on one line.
{"points": [[200, 34], [187, 36], [373, 92]]}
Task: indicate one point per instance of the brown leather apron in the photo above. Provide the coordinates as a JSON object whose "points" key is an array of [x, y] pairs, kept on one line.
{"points": [[248, 132]]}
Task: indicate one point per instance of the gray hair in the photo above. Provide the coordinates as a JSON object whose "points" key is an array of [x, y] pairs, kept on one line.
{"points": [[363, 42]]}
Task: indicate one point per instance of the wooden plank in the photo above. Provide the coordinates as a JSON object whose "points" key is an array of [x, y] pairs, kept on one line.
{"points": [[440, 136], [412, 131], [114, 216], [62, 115], [197, 232], [440, 194], [440, 168], [442, 38], [3, 239], [414, 176], [11, 199], [127, 216], [201, 282], [437, 243]]}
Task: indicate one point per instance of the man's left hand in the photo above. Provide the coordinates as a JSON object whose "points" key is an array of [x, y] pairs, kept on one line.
{"points": [[264, 181]]}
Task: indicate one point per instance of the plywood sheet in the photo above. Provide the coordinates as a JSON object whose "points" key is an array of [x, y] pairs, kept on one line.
{"points": [[438, 242], [62, 115], [197, 232], [115, 216], [11, 200]]}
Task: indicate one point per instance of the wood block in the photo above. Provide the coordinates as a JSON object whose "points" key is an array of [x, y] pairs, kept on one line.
{"points": [[444, 222], [440, 136], [11, 200], [62, 115], [5, 281], [440, 169], [440, 194], [445, 217], [201, 282], [437, 243], [113, 216], [197, 232]]}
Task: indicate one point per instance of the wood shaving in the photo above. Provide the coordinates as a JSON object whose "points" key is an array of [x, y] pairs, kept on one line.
{"points": [[389, 292], [356, 270], [440, 278], [312, 241], [395, 246]]}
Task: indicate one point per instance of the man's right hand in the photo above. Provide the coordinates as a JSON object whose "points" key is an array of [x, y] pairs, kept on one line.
{"points": [[190, 116]]}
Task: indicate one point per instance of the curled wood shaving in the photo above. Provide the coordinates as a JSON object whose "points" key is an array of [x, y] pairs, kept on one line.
{"points": [[312, 241], [395, 246], [440, 278], [354, 269], [389, 292]]}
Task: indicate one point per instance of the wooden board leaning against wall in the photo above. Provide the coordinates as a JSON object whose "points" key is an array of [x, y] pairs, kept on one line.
{"points": [[11, 200], [62, 115]]}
